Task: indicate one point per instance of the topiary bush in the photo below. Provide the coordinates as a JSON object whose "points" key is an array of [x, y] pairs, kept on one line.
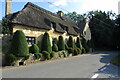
{"points": [[79, 51], [19, 46], [52, 54], [10, 58], [46, 45], [75, 52], [66, 46], [61, 44], [70, 50], [46, 55], [70, 42], [83, 50], [78, 43], [34, 49], [84, 44], [37, 55], [55, 47]]}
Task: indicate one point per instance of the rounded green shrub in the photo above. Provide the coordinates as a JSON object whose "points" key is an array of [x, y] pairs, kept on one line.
{"points": [[46, 55], [19, 44], [78, 43], [65, 53], [61, 44], [70, 50], [55, 47], [70, 42], [83, 50], [46, 45], [34, 49], [79, 51], [37, 55], [66, 46], [10, 58], [52, 54], [75, 52]]}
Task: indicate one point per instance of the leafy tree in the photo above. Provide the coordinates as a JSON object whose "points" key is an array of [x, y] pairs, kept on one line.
{"points": [[19, 46], [46, 45], [6, 24]]}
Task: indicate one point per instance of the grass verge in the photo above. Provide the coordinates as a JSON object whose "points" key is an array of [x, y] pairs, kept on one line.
{"points": [[116, 60]]}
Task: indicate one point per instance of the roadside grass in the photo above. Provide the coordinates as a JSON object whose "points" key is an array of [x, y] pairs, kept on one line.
{"points": [[116, 60]]}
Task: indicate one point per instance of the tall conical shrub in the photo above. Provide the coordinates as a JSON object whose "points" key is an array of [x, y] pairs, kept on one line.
{"points": [[70, 42], [19, 44], [55, 47], [46, 45], [84, 44], [78, 43], [61, 43]]}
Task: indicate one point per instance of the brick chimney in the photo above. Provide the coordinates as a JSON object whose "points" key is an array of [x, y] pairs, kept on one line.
{"points": [[60, 13], [8, 7]]}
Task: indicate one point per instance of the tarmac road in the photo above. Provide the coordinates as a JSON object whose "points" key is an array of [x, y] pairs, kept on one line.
{"points": [[89, 66]]}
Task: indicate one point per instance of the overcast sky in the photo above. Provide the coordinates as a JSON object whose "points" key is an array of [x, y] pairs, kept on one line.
{"points": [[80, 6]]}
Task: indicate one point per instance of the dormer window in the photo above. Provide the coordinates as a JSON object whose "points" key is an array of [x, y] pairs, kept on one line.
{"points": [[53, 25], [63, 27]]}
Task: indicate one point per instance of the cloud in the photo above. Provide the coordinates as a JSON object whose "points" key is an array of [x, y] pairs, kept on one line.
{"points": [[59, 3]]}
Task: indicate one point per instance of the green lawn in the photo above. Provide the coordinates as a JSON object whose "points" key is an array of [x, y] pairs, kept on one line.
{"points": [[116, 60]]}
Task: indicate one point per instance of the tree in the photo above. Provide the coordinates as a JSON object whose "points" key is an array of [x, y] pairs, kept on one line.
{"points": [[6, 26], [19, 46], [61, 43], [70, 42], [46, 45]]}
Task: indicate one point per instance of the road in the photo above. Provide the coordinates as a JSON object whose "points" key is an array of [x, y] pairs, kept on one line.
{"points": [[87, 66]]}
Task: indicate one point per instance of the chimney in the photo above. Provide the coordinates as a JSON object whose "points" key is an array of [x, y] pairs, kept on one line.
{"points": [[60, 13], [8, 7]]}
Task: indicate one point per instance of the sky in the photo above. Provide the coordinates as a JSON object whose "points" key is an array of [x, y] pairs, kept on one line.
{"points": [[79, 6]]}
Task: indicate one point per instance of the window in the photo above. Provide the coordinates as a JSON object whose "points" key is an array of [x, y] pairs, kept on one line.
{"points": [[30, 40], [84, 32], [63, 27], [53, 25]]}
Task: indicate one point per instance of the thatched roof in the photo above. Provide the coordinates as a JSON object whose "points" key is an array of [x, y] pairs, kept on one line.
{"points": [[34, 16]]}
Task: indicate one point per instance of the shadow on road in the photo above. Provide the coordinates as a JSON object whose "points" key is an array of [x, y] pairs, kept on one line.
{"points": [[110, 70]]}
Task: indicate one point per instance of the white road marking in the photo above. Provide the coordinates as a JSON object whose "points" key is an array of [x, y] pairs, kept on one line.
{"points": [[95, 76], [108, 64], [103, 69]]}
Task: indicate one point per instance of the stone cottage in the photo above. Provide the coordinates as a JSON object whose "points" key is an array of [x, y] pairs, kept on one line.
{"points": [[35, 21], [85, 29]]}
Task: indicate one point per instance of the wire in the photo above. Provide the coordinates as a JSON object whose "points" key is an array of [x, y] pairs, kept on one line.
{"points": [[57, 6], [69, 12]]}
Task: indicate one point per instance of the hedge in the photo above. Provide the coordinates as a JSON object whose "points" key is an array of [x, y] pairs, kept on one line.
{"points": [[46, 45], [52, 54], [10, 58], [19, 46]]}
